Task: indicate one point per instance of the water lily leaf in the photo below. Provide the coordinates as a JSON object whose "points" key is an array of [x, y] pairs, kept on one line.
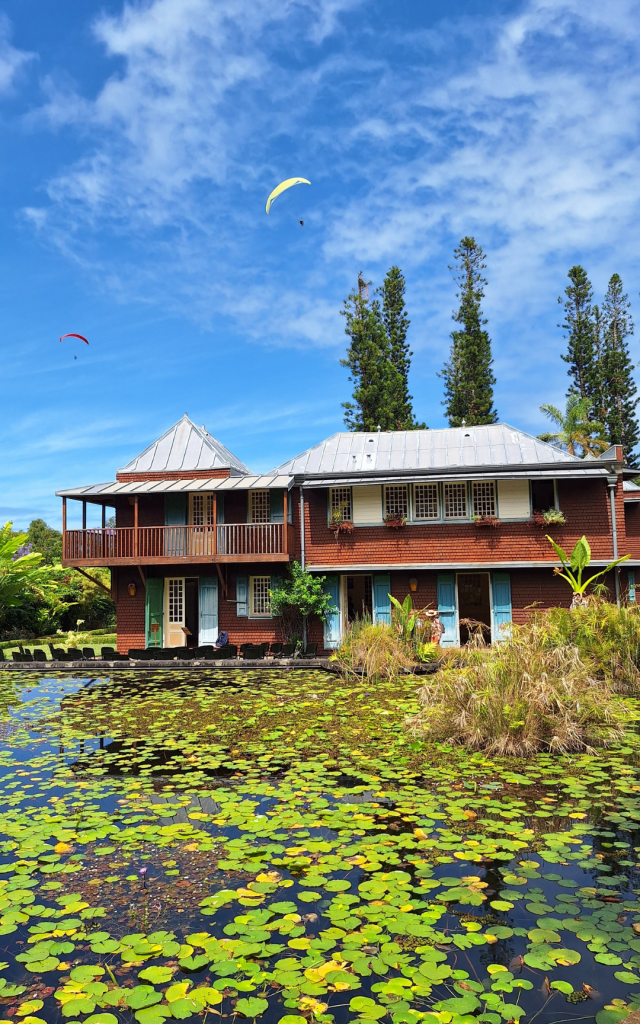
{"points": [[562, 986], [627, 977], [252, 1007], [157, 975], [309, 897], [607, 958], [29, 1007]]}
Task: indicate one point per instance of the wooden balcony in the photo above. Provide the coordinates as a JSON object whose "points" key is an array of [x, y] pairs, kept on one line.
{"points": [[158, 545]]}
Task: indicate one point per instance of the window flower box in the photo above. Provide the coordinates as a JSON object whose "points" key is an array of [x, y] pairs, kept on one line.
{"points": [[486, 521], [394, 522], [345, 527], [552, 517]]}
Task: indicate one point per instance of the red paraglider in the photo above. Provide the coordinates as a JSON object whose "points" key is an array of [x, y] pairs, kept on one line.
{"points": [[74, 336]]}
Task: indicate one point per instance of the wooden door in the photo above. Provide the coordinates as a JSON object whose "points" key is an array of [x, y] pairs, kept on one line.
{"points": [[174, 631]]}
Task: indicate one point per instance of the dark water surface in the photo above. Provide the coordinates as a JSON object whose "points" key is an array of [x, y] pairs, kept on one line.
{"points": [[279, 847]]}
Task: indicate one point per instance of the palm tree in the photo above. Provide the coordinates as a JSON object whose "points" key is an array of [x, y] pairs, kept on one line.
{"points": [[576, 433]]}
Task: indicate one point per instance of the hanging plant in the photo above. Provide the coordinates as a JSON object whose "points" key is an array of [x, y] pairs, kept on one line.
{"points": [[345, 527], [395, 521]]}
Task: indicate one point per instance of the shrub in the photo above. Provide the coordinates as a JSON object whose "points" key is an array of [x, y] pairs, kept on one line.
{"points": [[521, 696], [607, 638], [373, 651]]}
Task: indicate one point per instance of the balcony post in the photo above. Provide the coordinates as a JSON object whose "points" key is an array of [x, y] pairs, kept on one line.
{"points": [[64, 527], [215, 523], [84, 529], [135, 526], [285, 524], [104, 517]]}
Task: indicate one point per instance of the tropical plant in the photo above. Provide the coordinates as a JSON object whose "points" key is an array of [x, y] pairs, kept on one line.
{"points": [[576, 434], [575, 564], [21, 570], [403, 617], [298, 597]]}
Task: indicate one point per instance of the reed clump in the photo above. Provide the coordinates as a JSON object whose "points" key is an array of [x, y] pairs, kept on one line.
{"points": [[373, 651], [607, 638], [533, 692]]}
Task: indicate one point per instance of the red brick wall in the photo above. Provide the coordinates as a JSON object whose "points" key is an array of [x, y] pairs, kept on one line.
{"points": [[585, 504], [129, 610], [632, 527], [190, 474]]}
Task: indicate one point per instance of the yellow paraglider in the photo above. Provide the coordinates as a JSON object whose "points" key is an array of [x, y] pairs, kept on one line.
{"points": [[283, 186]]}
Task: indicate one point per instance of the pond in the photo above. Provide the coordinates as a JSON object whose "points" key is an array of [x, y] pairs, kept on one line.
{"points": [[277, 846]]}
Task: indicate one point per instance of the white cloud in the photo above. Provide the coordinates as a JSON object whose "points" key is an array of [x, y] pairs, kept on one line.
{"points": [[11, 59]]}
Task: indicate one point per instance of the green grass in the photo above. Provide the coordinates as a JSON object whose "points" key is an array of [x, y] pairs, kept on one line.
{"points": [[95, 638]]}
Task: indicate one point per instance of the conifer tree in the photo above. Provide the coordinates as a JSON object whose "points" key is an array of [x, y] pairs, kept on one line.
{"points": [[468, 375], [376, 382], [618, 385], [396, 323], [578, 323]]}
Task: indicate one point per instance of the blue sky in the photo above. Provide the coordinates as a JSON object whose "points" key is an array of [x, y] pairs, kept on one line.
{"points": [[139, 143]]}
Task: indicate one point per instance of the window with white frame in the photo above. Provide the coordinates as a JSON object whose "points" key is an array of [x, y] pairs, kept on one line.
{"points": [[455, 501], [202, 509], [176, 600], [259, 507], [484, 498], [425, 501], [396, 502], [260, 598], [340, 504]]}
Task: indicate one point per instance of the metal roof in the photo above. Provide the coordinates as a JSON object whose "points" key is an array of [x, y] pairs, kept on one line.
{"points": [[496, 445], [232, 483], [185, 447], [631, 491]]}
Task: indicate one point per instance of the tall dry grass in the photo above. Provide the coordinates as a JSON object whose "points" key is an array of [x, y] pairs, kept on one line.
{"points": [[373, 651], [527, 694]]}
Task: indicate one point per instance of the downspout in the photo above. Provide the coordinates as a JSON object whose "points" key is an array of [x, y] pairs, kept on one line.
{"points": [[304, 620], [614, 537]]}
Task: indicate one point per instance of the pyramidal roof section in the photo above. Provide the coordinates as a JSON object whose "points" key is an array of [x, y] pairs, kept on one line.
{"points": [[496, 444], [185, 447]]}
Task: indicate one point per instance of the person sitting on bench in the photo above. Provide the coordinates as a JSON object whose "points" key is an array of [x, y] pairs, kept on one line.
{"points": [[223, 639]]}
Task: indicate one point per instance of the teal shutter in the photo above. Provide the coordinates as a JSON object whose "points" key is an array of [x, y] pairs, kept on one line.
{"points": [[175, 510], [631, 582], [447, 611], [208, 603], [242, 596], [175, 514], [501, 613], [332, 630], [381, 599], [154, 611], [276, 506], [220, 507]]}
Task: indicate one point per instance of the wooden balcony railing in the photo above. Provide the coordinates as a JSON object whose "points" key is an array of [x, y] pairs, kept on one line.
{"points": [[163, 544]]}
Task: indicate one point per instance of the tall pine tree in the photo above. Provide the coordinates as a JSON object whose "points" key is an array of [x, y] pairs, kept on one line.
{"points": [[396, 323], [618, 385], [468, 375], [375, 380], [378, 357], [578, 323]]}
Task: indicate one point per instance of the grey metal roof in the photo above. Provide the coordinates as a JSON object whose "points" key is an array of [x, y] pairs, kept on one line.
{"points": [[628, 486], [185, 447], [232, 483], [496, 445]]}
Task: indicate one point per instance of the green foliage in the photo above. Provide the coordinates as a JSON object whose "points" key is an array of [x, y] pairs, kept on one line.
{"points": [[575, 433], [606, 637], [575, 564], [378, 357], [20, 574], [303, 592], [578, 325], [46, 540], [403, 617], [617, 386], [468, 376]]}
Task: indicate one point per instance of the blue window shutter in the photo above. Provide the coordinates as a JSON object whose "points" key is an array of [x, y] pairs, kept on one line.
{"points": [[501, 617], [447, 610], [208, 603], [381, 599], [175, 510], [276, 506], [154, 611], [332, 623], [242, 596], [631, 582]]}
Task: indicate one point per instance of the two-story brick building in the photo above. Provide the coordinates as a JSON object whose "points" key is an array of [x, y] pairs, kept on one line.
{"points": [[199, 541]]}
